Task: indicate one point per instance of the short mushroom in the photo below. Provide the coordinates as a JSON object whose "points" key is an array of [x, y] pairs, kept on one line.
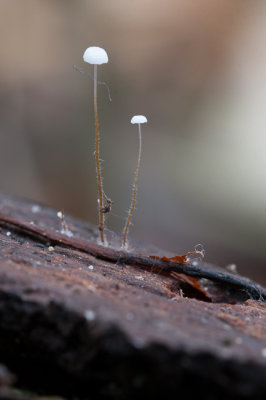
{"points": [[137, 119]]}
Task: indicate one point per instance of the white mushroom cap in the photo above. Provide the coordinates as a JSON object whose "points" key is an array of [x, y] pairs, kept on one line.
{"points": [[138, 119], [95, 55]]}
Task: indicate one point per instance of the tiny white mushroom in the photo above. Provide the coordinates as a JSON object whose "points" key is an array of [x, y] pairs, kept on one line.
{"points": [[59, 214], [64, 228], [137, 119], [97, 56]]}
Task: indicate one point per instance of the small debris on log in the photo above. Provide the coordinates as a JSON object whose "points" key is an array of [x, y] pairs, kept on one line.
{"points": [[82, 320]]}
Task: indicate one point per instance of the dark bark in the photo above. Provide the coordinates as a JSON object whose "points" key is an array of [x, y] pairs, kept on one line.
{"points": [[78, 319]]}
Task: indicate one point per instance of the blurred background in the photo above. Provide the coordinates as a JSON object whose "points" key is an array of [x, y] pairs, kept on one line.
{"points": [[196, 69]]}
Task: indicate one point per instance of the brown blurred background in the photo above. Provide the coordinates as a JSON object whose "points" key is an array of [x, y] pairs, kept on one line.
{"points": [[196, 69]]}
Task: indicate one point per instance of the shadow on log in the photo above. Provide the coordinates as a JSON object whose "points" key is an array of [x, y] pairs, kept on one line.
{"points": [[82, 321]]}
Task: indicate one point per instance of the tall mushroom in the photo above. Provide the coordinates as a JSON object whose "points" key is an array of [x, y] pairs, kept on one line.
{"points": [[97, 56], [137, 119]]}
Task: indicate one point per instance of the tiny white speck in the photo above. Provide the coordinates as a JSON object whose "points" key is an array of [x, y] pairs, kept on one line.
{"points": [[263, 352], [31, 223], [51, 248], [91, 267], [231, 267], [139, 277], [35, 209], [8, 233], [129, 316], [91, 288], [89, 315], [59, 214]]}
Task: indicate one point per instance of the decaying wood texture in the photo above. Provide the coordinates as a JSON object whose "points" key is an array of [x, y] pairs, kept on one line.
{"points": [[81, 320]]}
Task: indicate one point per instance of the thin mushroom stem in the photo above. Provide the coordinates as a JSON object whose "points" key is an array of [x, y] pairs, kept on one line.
{"points": [[97, 159], [91, 76], [134, 196]]}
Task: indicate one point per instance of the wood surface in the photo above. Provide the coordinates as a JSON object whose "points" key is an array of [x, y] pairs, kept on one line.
{"points": [[80, 320]]}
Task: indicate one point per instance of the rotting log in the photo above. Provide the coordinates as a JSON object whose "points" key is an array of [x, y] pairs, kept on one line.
{"points": [[81, 320]]}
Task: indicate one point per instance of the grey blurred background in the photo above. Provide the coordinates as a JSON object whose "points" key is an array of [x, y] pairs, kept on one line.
{"points": [[196, 69]]}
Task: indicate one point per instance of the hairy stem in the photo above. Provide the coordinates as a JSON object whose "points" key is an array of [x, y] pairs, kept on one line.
{"points": [[97, 159], [134, 196]]}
